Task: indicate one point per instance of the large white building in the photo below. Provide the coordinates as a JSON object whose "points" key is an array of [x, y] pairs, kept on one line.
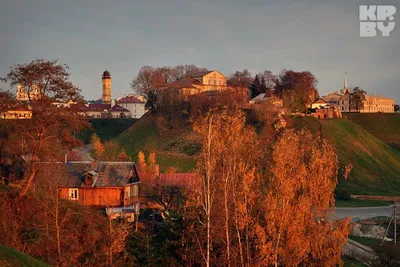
{"points": [[372, 103], [134, 105]]}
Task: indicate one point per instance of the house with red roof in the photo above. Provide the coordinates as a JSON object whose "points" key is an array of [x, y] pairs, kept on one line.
{"points": [[133, 105]]}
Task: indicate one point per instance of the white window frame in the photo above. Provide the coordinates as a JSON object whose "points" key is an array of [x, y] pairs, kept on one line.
{"points": [[73, 194], [135, 191], [127, 192]]}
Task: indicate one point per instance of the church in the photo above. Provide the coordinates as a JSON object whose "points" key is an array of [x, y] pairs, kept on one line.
{"points": [[372, 103]]}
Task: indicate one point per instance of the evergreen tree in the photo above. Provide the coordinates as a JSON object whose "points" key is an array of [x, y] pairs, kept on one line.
{"points": [[263, 86], [255, 87]]}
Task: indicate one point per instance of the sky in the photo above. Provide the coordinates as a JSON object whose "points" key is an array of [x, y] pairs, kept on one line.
{"points": [[225, 35]]}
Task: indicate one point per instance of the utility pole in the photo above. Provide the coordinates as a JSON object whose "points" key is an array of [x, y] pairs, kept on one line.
{"points": [[393, 218]]}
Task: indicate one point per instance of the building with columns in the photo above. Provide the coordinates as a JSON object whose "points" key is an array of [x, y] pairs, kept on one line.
{"points": [[372, 103]]}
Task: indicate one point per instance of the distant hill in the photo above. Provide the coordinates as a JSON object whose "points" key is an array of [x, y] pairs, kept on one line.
{"points": [[385, 127], [173, 148], [376, 165], [12, 258]]}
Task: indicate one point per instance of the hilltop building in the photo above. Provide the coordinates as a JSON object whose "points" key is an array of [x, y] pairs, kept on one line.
{"points": [[372, 103], [194, 84]]}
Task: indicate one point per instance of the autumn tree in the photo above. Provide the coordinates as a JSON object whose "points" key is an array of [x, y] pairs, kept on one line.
{"points": [[356, 99], [299, 196], [142, 161], [297, 89], [52, 128], [227, 156], [98, 148], [240, 79]]}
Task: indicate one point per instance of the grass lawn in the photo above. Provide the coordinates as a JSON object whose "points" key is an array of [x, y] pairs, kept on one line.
{"points": [[367, 241], [361, 203], [352, 263], [107, 128], [12, 257]]}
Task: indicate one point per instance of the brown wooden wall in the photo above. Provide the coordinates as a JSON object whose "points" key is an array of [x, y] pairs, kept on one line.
{"points": [[103, 196]]}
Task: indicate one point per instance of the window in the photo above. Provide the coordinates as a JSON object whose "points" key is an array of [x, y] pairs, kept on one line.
{"points": [[134, 191], [127, 192], [73, 194], [342, 108], [342, 102]]}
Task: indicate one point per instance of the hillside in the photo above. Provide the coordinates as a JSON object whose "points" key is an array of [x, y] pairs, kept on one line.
{"points": [[173, 148], [385, 127], [106, 128], [11, 257], [376, 165]]}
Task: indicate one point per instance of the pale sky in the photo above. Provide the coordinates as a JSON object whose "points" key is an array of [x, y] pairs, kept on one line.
{"points": [[226, 35]]}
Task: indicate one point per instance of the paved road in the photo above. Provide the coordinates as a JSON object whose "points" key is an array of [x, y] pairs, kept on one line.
{"points": [[362, 213]]}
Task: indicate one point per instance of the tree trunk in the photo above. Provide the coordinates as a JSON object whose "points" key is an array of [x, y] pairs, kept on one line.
{"points": [[28, 183]]}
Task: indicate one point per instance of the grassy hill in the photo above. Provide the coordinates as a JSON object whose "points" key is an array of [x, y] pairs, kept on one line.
{"points": [[173, 148], [376, 165], [385, 127], [107, 128], [11, 257]]}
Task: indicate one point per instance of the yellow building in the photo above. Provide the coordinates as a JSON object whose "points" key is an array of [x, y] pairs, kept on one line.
{"points": [[16, 114], [24, 95], [196, 83], [375, 104]]}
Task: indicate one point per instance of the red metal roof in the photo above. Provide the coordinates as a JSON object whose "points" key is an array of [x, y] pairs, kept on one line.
{"points": [[129, 99], [118, 108]]}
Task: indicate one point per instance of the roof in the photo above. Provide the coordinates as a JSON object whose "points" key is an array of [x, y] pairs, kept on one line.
{"points": [[185, 82], [118, 108], [378, 96], [70, 174], [200, 74], [319, 101], [106, 74], [129, 99], [99, 107]]}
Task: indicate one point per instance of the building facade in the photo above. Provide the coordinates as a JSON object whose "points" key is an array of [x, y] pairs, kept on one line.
{"points": [[135, 106]]}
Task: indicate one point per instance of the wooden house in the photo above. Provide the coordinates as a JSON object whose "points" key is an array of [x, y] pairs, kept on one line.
{"points": [[110, 185]]}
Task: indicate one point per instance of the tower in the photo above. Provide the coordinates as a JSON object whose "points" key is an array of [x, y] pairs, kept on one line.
{"points": [[106, 81], [345, 81]]}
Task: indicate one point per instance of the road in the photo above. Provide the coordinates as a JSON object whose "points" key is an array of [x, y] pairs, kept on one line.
{"points": [[362, 213]]}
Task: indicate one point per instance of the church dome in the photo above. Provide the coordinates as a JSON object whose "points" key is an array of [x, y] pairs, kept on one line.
{"points": [[106, 74]]}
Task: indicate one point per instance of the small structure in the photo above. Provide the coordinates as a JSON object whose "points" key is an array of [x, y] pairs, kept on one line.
{"points": [[318, 103], [263, 98], [110, 185], [327, 112]]}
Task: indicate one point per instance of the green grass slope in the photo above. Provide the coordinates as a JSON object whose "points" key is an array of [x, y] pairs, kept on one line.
{"points": [[385, 127], [173, 149], [106, 128], [11, 257], [376, 165]]}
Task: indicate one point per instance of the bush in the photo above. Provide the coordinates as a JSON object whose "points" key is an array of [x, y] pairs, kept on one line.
{"points": [[343, 195]]}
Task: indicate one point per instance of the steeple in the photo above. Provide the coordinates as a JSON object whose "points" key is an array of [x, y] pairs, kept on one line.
{"points": [[345, 81]]}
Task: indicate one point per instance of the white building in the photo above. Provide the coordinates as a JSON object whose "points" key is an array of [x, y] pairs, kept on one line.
{"points": [[134, 105]]}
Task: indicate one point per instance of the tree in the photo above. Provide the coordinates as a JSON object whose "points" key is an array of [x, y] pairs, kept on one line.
{"points": [[356, 99], [300, 194], [255, 87], [297, 89], [142, 162], [52, 128], [269, 81], [240, 79], [98, 148]]}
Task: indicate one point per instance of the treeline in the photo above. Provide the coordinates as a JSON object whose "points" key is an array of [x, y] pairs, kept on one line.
{"points": [[253, 203]]}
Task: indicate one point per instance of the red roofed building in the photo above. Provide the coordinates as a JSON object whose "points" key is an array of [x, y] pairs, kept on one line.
{"points": [[134, 106]]}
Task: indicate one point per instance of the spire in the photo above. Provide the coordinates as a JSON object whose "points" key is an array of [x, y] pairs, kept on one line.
{"points": [[345, 81]]}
